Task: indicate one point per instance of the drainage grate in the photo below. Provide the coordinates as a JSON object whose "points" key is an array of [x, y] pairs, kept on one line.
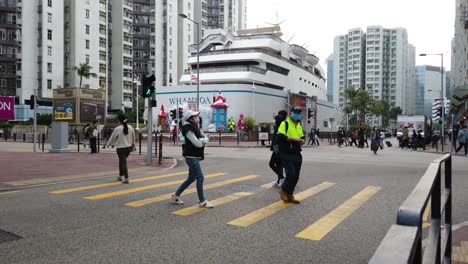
{"points": [[7, 236]]}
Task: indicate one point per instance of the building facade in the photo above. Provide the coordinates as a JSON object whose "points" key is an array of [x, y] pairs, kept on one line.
{"points": [[379, 60], [329, 63], [8, 47], [428, 85], [459, 67]]}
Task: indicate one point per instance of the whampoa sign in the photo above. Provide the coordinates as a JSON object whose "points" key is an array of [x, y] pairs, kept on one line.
{"points": [[7, 108]]}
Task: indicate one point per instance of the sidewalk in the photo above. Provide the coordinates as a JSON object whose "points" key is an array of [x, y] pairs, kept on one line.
{"points": [[26, 169], [460, 244]]}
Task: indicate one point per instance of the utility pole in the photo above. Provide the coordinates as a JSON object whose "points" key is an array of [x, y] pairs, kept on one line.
{"points": [[151, 104], [35, 121]]}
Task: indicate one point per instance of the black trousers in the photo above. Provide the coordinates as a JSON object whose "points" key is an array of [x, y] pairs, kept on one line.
{"points": [[292, 165], [276, 166], [461, 146], [92, 143], [123, 153]]}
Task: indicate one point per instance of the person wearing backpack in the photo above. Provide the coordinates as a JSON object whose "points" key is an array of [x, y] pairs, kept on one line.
{"points": [[86, 135], [275, 161], [290, 141], [462, 140]]}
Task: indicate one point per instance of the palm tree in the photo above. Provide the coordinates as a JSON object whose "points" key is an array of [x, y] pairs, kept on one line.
{"points": [[83, 71]]}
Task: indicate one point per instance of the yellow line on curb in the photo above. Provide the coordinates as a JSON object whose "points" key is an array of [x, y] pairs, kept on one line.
{"points": [[10, 192], [273, 208], [197, 209], [143, 188], [71, 177], [426, 215], [96, 186], [187, 191], [324, 225]]}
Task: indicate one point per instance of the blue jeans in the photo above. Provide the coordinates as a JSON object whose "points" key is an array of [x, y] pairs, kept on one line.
{"points": [[195, 173]]}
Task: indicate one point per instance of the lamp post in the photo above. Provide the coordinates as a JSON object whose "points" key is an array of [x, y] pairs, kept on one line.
{"points": [[183, 16], [441, 93], [253, 100]]}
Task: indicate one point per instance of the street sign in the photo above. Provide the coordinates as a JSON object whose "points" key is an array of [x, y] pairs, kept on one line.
{"points": [[452, 116], [263, 136]]}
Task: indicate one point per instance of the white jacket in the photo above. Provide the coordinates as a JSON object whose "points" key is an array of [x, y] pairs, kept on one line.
{"points": [[120, 140]]}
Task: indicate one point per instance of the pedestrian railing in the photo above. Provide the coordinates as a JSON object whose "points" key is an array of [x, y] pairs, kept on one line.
{"points": [[403, 242]]}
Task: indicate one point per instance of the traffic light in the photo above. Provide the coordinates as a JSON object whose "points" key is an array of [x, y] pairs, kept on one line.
{"points": [[147, 87], [181, 112], [31, 102], [310, 113], [174, 114]]}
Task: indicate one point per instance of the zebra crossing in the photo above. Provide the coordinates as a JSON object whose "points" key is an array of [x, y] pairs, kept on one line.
{"points": [[315, 231]]}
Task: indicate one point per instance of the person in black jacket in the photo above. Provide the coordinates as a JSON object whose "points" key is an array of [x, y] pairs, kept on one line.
{"points": [[193, 151], [275, 161]]}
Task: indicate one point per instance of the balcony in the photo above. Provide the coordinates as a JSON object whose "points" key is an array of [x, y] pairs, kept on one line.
{"points": [[229, 69]]}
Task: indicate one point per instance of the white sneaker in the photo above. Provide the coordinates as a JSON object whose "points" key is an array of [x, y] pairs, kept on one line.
{"points": [[276, 184], [206, 204], [281, 183], [177, 200]]}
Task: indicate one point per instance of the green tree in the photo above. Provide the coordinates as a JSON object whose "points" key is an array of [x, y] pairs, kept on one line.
{"points": [[83, 70], [358, 104]]}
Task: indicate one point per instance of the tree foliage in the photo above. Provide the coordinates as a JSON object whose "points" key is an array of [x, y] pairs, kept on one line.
{"points": [[83, 70]]}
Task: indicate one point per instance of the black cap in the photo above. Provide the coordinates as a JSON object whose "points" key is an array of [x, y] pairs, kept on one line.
{"points": [[283, 113], [296, 110]]}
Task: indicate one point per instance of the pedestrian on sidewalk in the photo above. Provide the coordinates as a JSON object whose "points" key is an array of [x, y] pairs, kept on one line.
{"points": [[93, 133], [462, 140], [375, 140], [275, 161], [86, 135], [193, 151], [311, 137], [290, 140], [123, 138]]}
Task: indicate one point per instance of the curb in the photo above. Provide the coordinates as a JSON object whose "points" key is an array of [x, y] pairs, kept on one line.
{"points": [[174, 165]]}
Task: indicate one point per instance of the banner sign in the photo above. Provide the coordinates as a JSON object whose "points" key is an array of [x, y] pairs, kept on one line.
{"points": [[63, 110], [7, 108]]}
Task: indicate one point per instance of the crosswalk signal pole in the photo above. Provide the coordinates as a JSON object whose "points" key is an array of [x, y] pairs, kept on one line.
{"points": [[35, 121]]}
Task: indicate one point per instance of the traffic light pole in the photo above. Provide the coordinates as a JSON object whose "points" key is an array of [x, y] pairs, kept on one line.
{"points": [[149, 158], [35, 121]]}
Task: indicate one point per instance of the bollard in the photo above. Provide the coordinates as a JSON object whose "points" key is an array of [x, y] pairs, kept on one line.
{"points": [[98, 142], [43, 140], [219, 137], [237, 138], [24, 137], [160, 148], [156, 143], [78, 141], [139, 139], [14, 136]]}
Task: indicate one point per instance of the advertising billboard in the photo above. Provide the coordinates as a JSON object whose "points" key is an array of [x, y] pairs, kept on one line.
{"points": [[7, 108], [64, 110], [90, 109]]}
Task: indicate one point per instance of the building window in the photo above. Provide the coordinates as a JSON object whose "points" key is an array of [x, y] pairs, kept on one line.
{"points": [[87, 29], [49, 51], [49, 34], [49, 17], [49, 67], [170, 65], [49, 84], [170, 31], [87, 43], [49, 3], [87, 13], [87, 59], [3, 83]]}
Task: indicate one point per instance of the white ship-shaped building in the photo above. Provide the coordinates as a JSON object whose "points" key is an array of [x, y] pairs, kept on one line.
{"points": [[258, 73]]}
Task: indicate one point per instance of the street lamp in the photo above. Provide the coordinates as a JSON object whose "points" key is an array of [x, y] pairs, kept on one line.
{"points": [[441, 92], [183, 16]]}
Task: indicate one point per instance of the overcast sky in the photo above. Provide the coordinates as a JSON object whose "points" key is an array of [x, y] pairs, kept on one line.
{"points": [[430, 23]]}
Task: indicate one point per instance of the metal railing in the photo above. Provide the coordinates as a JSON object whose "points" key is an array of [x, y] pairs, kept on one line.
{"points": [[229, 69], [403, 242]]}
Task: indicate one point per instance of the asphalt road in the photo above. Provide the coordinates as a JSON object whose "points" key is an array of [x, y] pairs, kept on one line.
{"points": [[99, 225]]}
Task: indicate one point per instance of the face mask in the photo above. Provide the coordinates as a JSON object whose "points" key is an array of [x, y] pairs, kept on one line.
{"points": [[196, 120], [296, 117]]}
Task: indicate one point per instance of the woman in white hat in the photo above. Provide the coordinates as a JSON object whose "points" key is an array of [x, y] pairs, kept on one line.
{"points": [[193, 151]]}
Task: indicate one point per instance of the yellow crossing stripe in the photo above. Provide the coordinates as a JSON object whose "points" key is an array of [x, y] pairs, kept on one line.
{"points": [[226, 199], [72, 177], [10, 192], [324, 225], [187, 191], [271, 209], [143, 188], [96, 186]]}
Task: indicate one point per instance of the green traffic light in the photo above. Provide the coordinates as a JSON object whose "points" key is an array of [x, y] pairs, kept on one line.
{"points": [[148, 92]]}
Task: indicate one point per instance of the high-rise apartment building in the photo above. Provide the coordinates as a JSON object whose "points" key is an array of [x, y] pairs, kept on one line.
{"points": [[40, 55], [229, 15], [459, 68], [427, 88], [329, 63], [8, 47], [379, 60], [143, 36]]}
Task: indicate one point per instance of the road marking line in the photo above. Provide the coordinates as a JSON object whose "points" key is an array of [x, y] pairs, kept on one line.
{"points": [[72, 177], [143, 188], [324, 225], [427, 223], [273, 208], [96, 186], [187, 191], [267, 185], [10, 192], [226, 199]]}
